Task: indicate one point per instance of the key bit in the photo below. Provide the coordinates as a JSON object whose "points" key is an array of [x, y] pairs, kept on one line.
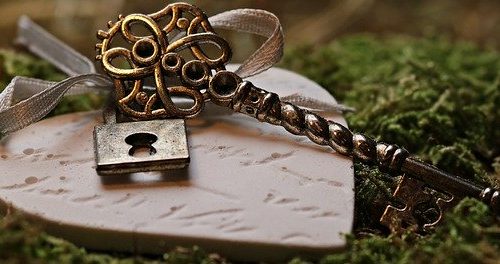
{"points": [[203, 78], [422, 208]]}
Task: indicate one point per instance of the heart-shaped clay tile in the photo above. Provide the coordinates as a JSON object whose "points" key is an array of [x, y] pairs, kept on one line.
{"points": [[251, 192]]}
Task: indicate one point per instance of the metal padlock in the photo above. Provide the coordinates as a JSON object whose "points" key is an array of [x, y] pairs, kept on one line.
{"points": [[128, 147]]}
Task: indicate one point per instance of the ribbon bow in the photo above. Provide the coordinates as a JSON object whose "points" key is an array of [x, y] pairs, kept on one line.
{"points": [[27, 100]]}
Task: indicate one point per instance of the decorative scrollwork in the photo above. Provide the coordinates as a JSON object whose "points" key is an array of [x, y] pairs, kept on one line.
{"points": [[160, 55]]}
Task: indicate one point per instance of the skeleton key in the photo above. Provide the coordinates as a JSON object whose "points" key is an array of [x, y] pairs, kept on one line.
{"points": [[228, 90], [162, 57]]}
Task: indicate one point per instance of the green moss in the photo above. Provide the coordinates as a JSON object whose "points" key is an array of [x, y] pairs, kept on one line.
{"points": [[436, 98], [21, 64], [463, 238], [23, 242], [467, 236]]}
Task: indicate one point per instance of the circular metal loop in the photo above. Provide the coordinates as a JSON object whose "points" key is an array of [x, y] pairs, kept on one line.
{"points": [[145, 52], [172, 62], [182, 23], [223, 87], [195, 73]]}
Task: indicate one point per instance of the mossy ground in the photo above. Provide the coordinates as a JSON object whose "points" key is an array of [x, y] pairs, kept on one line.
{"points": [[438, 99]]}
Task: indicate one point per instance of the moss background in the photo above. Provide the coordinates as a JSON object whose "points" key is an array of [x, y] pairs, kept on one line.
{"points": [[437, 98]]}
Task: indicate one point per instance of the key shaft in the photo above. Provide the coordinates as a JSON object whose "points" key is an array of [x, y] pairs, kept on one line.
{"points": [[447, 182], [227, 89]]}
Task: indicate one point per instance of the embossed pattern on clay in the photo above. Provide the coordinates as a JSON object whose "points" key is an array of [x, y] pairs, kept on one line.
{"points": [[252, 190]]}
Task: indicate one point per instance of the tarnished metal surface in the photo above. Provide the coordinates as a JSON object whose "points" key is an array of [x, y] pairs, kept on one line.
{"points": [[178, 28], [422, 210], [152, 145], [158, 56], [266, 106]]}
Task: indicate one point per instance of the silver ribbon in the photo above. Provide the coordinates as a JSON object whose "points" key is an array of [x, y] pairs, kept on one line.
{"points": [[258, 22], [26, 100]]}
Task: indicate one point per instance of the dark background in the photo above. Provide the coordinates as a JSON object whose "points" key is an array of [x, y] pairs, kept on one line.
{"points": [[314, 21]]}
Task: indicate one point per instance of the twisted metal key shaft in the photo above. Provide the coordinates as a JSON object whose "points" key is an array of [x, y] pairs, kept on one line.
{"points": [[159, 56], [227, 89]]}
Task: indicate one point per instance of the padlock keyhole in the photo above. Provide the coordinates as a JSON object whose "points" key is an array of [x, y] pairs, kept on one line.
{"points": [[142, 144]]}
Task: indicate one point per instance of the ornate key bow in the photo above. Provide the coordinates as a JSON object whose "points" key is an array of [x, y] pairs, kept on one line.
{"points": [[158, 56], [161, 56]]}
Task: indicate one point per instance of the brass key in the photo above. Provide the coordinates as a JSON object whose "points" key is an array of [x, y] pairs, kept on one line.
{"points": [[226, 89], [162, 57]]}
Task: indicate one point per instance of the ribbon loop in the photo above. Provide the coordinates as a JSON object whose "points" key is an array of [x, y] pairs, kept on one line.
{"points": [[49, 48], [259, 22], [36, 103]]}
